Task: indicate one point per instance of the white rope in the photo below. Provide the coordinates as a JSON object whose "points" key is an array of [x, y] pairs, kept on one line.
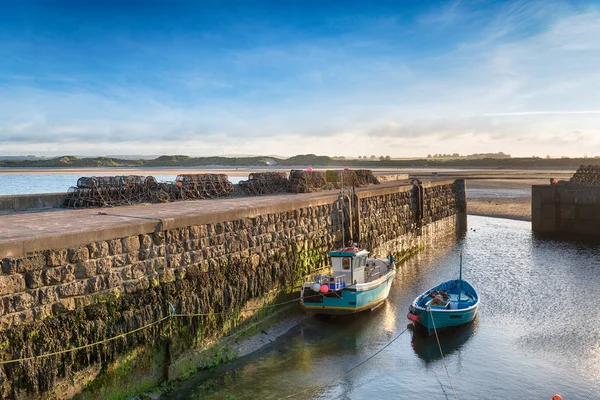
{"points": [[442, 353]]}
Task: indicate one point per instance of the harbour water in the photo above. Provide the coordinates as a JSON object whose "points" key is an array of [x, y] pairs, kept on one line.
{"points": [[55, 183], [537, 332]]}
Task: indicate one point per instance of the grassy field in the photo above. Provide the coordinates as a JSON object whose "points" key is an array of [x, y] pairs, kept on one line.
{"points": [[300, 160]]}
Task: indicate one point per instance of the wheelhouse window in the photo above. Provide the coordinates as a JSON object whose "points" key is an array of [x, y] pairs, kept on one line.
{"points": [[361, 261], [346, 263]]}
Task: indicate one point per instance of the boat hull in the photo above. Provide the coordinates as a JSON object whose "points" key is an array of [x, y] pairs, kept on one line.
{"points": [[440, 319], [350, 300]]}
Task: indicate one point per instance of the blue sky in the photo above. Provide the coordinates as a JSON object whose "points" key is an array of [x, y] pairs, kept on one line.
{"points": [[338, 78]]}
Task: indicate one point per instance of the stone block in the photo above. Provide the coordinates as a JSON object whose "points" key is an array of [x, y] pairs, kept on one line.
{"points": [[47, 295], [96, 284], [19, 302], [157, 251], [167, 275], [172, 248], [34, 262], [114, 280], [78, 255], [71, 289], [85, 269], [180, 273], [34, 279], [160, 263], [63, 306], [145, 242], [158, 238], [131, 258], [138, 270], [143, 254], [174, 260], [115, 247], [136, 285], [131, 244], [98, 250], [10, 265], [104, 265], [52, 276], [10, 284], [119, 260], [56, 258], [154, 279]]}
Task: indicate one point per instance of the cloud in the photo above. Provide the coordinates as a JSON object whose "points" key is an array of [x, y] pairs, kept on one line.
{"points": [[496, 88], [510, 114]]}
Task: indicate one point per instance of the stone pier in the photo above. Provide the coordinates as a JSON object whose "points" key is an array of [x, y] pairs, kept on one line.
{"points": [[71, 278]]}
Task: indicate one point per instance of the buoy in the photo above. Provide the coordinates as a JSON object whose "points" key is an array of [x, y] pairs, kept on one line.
{"points": [[316, 286], [324, 288], [346, 168], [557, 397], [309, 169], [179, 184], [412, 317]]}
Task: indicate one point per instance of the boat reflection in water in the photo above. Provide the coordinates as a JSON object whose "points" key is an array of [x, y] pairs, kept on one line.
{"points": [[451, 340]]}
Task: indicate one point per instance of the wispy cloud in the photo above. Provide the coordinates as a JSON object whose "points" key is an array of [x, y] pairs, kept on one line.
{"points": [[352, 91], [508, 114]]}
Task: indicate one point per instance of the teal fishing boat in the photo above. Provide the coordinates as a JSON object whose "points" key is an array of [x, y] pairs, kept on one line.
{"points": [[448, 304], [356, 283]]}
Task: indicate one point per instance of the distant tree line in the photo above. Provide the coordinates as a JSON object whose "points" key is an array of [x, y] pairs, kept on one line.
{"points": [[476, 156]]}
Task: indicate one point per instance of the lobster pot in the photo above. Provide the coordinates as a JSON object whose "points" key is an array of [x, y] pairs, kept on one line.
{"points": [[265, 183], [200, 186], [306, 181], [587, 175]]}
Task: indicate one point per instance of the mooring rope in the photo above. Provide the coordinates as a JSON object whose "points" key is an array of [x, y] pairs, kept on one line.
{"points": [[86, 345], [441, 352], [244, 310], [335, 378], [172, 314]]}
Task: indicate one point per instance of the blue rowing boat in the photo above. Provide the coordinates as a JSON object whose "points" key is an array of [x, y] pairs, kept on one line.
{"points": [[356, 283], [446, 305]]}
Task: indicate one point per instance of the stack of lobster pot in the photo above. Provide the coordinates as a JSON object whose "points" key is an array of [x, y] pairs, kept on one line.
{"points": [[360, 177], [306, 181], [110, 191], [265, 183], [200, 186], [587, 175]]}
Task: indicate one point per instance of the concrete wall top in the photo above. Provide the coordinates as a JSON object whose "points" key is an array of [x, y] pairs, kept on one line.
{"points": [[391, 189], [19, 202], [28, 232]]}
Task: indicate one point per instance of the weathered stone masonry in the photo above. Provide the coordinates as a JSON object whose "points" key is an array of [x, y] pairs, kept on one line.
{"points": [[56, 299]]}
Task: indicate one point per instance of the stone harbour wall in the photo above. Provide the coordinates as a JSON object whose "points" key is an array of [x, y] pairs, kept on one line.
{"points": [[565, 208], [64, 298], [401, 220]]}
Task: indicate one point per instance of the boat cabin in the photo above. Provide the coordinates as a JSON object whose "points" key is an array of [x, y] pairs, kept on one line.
{"points": [[351, 263]]}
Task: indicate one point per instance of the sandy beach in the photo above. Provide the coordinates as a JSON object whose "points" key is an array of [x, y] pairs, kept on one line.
{"points": [[515, 207]]}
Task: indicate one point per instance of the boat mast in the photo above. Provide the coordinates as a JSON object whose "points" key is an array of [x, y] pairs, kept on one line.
{"points": [[342, 210], [460, 276]]}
